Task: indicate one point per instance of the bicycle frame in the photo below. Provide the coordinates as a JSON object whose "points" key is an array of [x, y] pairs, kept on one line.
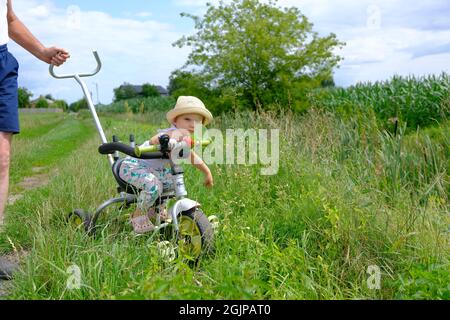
{"points": [[182, 203]]}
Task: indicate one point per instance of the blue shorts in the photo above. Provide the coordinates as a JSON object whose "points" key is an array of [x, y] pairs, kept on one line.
{"points": [[9, 102]]}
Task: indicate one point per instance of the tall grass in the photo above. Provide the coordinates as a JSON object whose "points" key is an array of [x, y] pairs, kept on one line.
{"points": [[347, 195]]}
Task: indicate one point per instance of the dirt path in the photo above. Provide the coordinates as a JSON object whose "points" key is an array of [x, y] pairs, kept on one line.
{"points": [[6, 285], [29, 183]]}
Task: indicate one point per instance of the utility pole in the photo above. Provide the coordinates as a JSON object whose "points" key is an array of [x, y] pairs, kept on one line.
{"points": [[92, 99], [96, 87]]}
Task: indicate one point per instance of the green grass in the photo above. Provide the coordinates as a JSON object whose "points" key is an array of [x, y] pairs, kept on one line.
{"points": [[347, 195], [36, 125], [45, 140]]}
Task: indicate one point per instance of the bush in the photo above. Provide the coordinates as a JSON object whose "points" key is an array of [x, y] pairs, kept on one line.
{"points": [[78, 105], [149, 90], [24, 98], [124, 92], [42, 103], [60, 104]]}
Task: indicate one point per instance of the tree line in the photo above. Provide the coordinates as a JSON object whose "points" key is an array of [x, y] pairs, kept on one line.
{"points": [[47, 101]]}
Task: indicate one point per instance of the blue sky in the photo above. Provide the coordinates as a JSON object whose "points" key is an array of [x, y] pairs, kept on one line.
{"points": [[135, 9], [134, 39]]}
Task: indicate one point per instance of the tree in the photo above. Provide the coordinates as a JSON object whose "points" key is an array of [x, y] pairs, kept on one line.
{"points": [[24, 98], [49, 97], [325, 83], [77, 105], [149, 90], [125, 91], [259, 50], [61, 104], [184, 83], [42, 103]]}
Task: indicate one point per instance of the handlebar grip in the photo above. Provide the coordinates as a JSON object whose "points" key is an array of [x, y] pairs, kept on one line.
{"points": [[138, 150], [111, 147], [204, 143]]}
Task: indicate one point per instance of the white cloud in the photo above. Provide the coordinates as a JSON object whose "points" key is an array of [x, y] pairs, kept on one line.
{"points": [[135, 51], [144, 14], [40, 11], [193, 3], [383, 38]]}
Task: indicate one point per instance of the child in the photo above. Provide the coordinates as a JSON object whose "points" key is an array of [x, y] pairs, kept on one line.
{"points": [[154, 175]]}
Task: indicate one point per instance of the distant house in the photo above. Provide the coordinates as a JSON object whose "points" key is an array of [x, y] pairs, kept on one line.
{"points": [[138, 89], [162, 91]]}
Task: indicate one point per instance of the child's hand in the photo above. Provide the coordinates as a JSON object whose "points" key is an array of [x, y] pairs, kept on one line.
{"points": [[209, 182], [179, 134]]}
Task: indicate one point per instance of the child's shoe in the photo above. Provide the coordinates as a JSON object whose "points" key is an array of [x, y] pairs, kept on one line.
{"points": [[142, 224], [162, 211]]}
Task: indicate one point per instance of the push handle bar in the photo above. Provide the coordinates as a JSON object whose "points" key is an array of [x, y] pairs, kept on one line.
{"points": [[65, 76], [87, 95]]}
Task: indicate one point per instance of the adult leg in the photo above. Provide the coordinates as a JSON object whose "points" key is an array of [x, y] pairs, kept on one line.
{"points": [[5, 151]]}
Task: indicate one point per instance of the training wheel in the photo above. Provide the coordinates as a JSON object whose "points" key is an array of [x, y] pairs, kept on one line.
{"points": [[78, 218]]}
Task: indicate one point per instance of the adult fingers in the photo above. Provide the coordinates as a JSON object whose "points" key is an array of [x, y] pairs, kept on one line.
{"points": [[59, 59], [61, 50], [56, 62]]}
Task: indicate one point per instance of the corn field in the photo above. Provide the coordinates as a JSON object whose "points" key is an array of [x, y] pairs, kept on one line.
{"points": [[417, 102]]}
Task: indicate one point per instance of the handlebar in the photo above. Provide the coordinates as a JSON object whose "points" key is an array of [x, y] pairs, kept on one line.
{"points": [[111, 147], [65, 76], [139, 150], [149, 152]]}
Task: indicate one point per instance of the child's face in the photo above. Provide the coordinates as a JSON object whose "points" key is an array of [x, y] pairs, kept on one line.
{"points": [[188, 121]]}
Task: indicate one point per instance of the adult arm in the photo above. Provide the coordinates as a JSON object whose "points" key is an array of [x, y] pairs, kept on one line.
{"points": [[23, 37]]}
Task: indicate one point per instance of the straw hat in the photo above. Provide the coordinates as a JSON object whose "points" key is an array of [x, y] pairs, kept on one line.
{"points": [[188, 104]]}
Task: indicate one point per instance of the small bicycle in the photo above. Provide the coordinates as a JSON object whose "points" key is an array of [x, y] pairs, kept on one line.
{"points": [[191, 232]]}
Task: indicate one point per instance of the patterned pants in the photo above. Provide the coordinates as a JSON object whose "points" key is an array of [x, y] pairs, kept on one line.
{"points": [[152, 181]]}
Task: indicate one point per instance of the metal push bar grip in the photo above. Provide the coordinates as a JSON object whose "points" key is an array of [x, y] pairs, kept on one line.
{"points": [[139, 150], [111, 147], [65, 76]]}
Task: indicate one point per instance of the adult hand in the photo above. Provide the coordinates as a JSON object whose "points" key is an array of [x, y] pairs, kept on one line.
{"points": [[55, 56]]}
